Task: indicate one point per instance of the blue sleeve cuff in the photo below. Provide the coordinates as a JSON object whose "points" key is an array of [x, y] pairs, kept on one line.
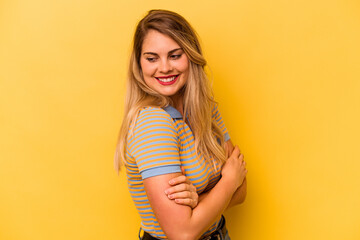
{"points": [[226, 137], [160, 171]]}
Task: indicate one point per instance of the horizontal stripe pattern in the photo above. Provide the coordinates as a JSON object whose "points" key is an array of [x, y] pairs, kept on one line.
{"points": [[160, 143]]}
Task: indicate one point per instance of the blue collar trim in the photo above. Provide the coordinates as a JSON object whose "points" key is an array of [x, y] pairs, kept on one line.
{"points": [[173, 112]]}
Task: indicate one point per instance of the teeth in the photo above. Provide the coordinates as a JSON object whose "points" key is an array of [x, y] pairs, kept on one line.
{"points": [[165, 80]]}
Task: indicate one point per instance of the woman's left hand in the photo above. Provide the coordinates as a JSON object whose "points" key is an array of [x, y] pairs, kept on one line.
{"points": [[182, 191]]}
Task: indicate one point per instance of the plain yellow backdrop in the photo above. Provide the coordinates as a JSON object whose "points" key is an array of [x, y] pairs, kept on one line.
{"points": [[286, 75]]}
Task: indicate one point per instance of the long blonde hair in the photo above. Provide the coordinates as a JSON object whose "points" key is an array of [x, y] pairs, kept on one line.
{"points": [[198, 97]]}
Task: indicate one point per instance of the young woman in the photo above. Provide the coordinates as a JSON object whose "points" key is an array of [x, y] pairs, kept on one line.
{"points": [[183, 171]]}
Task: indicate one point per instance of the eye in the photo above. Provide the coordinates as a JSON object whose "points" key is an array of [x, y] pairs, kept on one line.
{"points": [[151, 59], [175, 56]]}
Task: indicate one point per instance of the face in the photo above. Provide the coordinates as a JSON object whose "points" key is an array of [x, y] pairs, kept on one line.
{"points": [[164, 64]]}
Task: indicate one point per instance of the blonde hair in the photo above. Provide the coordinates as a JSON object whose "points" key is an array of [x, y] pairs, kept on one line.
{"points": [[198, 97]]}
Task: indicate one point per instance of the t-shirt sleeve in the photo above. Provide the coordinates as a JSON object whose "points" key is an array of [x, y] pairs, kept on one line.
{"points": [[216, 116], [154, 143]]}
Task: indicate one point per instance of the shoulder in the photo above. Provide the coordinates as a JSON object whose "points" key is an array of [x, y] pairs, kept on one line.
{"points": [[153, 112], [154, 117], [152, 121], [153, 143]]}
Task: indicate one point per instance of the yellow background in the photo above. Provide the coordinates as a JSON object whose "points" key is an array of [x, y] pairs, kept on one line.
{"points": [[286, 74]]}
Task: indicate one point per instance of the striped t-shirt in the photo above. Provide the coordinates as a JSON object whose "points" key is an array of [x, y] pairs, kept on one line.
{"points": [[160, 143]]}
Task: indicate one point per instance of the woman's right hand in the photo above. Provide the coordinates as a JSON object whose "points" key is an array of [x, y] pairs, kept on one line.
{"points": [[234, 168]]}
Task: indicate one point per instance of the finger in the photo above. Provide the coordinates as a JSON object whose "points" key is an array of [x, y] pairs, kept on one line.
{"points": [[236, 152], [241, 157], [185, 194], [186, 201], [179, 179], [192, 188], [178, 188]]}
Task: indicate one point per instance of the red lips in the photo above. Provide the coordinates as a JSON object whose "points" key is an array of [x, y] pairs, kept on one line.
{"points": [[162, 82]]}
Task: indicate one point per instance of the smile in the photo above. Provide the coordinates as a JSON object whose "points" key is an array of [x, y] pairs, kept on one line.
{"points": [[167, 80]]}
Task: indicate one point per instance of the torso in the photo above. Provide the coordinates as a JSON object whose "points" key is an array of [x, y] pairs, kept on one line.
{"points": [[139, 165]]}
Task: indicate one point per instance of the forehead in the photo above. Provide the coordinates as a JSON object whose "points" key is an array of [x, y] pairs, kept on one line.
{"points": [[157, 42]]}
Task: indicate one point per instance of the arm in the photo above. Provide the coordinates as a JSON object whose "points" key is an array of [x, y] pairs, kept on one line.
{"points": [[183, 192], [237, 198], [182, 222], [240, 193]]}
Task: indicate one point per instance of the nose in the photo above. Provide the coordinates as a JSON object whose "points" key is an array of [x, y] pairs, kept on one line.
{"points": [[165, 66]]}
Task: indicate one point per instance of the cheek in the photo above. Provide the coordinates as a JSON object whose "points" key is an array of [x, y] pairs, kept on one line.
{"points": [[147, 69], [183, 65]]}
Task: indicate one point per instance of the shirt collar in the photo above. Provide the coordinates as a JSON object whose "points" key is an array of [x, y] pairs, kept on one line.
{"points": [[173, 112]]}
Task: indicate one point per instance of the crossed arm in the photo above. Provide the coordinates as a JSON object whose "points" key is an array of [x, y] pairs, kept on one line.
{"points": [[183, 192], [183, 222], [240, 193]]}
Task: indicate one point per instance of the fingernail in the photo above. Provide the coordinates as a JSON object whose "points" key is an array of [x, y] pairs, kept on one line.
{"points": [[171, 182], [170, 196], [166, 192]]}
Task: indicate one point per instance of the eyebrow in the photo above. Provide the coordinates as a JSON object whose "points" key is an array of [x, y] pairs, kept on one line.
{"points": [[170, 52]]}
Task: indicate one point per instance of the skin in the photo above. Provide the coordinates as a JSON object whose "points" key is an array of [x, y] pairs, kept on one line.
{"points": [[182, 222], [240, 193], [183, 191], [162, 57], [185, 195]]}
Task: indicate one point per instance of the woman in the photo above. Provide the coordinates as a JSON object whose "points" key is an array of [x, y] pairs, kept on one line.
{"points": [[172, 122]]}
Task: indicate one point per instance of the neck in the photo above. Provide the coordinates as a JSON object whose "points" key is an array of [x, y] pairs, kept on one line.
{"points": [[178, 102]]}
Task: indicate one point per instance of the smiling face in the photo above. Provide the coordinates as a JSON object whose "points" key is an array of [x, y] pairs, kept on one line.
{"points": [[164, 65]]}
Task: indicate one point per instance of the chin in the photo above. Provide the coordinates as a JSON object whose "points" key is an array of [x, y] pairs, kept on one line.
{"points": [[168, 93]]}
